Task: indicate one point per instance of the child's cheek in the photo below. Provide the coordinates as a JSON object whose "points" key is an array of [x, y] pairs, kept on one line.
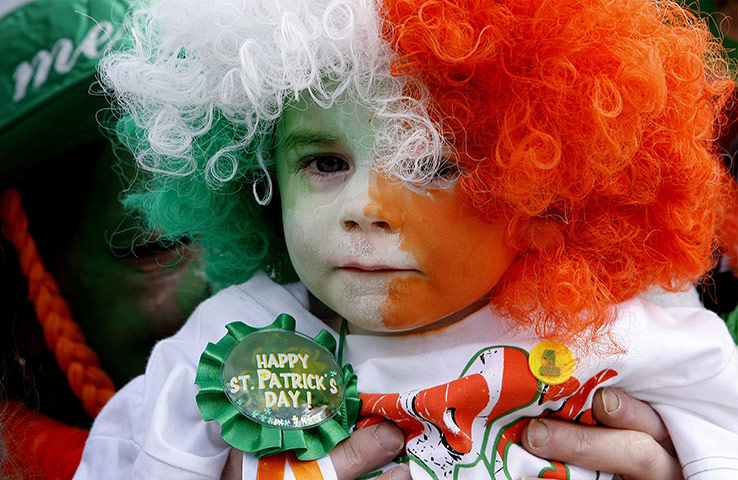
{"points": [[304, 226], [461, 255]]}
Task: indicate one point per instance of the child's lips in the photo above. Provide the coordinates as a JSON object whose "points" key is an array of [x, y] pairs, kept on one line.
{"points": [[376, 268]]}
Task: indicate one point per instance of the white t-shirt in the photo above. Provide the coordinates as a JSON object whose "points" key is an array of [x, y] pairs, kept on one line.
{"points": [[680, 360]]}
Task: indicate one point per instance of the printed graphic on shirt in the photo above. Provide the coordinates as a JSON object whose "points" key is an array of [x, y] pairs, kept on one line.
{"points": [[475, 422]]}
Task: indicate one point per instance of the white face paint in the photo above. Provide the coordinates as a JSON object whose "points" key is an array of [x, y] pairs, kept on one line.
{"points": [[382, 255], [346, 255]]}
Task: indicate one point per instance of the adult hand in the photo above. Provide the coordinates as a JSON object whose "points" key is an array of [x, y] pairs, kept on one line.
{"points": [[632, 440], [367, 450]]}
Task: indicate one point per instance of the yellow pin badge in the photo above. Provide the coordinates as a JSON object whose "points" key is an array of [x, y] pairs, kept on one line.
{"points": [[551, 362]]}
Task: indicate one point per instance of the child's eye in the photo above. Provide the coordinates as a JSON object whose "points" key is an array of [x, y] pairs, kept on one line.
{"points": [[325, 164], [448, 170], [445, 174]]}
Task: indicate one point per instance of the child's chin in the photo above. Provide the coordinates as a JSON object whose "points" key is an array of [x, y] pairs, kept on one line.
{"points": [[363, 324], [367, 313], [374, 326]]}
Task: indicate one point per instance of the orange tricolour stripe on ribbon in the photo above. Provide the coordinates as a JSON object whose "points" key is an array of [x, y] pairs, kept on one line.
{"points": [[305, 470], [273, 468]]}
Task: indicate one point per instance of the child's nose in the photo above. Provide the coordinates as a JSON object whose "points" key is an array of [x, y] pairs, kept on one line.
{"points": [[364, 211], [349, 225]]}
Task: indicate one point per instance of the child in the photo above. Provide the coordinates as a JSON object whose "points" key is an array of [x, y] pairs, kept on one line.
{"points": [[482, 190]]}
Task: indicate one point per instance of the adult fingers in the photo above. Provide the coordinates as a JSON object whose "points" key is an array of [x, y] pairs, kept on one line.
{"points": [[367, 450], [400, 472], [233, 466], [632, 454], [616, 409]]}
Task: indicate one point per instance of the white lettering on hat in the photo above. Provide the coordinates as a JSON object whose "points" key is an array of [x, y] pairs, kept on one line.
{"points": [[62, 57]]}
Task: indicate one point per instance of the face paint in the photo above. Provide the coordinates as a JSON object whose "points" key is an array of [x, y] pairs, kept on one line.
{"points": [[384, 256], [461, 255], [124, 298]]}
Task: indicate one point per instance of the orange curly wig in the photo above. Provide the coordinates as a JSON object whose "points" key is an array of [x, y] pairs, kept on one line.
{"points": [[589, 125]]}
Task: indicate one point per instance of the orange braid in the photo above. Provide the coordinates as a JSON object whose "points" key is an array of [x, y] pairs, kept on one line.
{"points": [[37, 446], [63, 336]]}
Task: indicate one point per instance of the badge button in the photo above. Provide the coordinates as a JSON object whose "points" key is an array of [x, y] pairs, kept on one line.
{"points": [[283, 379], [551, 362]]}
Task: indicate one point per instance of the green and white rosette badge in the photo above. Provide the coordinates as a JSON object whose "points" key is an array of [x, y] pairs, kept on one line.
{"points": [[273, 389]]}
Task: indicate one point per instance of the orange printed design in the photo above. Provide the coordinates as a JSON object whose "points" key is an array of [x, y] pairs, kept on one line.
{"points": [[377, 406], [575, 397], [476, 421], [573, 409], [450, 408], [556, 470], [563, 390]]}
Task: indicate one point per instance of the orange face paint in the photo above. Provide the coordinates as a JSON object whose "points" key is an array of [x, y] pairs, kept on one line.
{"points": [[460, 254], [381, 254]]}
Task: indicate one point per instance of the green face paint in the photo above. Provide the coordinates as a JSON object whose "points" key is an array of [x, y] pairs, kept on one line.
{"points": [[324, 161], [125, 295]]}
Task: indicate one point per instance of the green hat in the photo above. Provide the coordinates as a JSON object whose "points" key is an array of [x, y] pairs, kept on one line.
{"points": [[50, 54]]}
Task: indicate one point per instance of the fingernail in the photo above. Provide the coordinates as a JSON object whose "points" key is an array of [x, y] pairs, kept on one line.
{"points": [[610, 401], [400, 472], [389, 437], [538, 433]]}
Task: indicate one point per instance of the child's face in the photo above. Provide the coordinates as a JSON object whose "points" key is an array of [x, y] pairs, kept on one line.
{"points": [[382, 255]]}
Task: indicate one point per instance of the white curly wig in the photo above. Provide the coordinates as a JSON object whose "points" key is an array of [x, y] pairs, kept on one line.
{"points": [[191, 62]]}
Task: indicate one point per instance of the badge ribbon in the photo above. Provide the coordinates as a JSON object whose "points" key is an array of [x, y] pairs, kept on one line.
{"points": [[273, 390]]}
